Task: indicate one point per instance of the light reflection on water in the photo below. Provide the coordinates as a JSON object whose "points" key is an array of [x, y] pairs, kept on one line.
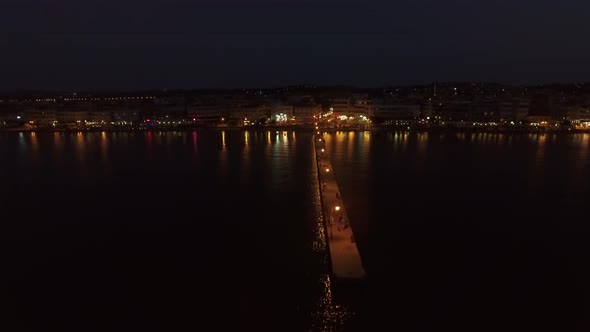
{"points": [[149, 144], [58, 148], [22, 143], [420, 190], [222, 164], [326, 315], [421, 150], [245, 161], [256, 166], [81, 147], [34, 146], [417, 164], [195, 146], [104, 147]]}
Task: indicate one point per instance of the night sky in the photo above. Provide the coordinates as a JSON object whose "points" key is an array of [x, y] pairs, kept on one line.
{"points": [[132, 44]]}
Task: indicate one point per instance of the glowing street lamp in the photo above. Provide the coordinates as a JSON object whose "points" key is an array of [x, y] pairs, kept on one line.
{"points": [[336, 208]]}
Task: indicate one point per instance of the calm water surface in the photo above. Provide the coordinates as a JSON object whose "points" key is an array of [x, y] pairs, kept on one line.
{"points": [[177, 231], [164, 231], [470, 231]]}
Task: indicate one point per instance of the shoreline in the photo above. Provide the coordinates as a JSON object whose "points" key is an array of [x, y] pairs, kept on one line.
{"points": [[307, 129], [187, 129], [457, 130]]}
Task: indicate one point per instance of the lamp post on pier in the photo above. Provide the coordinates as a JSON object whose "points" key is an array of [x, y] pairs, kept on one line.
{"points": [[332, 215]]}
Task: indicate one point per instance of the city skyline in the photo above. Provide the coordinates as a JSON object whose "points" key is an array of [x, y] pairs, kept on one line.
{"points": [[286, 88]]}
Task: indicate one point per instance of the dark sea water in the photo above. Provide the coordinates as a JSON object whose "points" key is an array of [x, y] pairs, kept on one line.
{"points": [[215, 230], [162, 231], [470, 232]]}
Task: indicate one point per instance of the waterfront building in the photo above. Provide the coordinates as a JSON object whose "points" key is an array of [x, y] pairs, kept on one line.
{"points": [[11, 116], [383, 109], [306, 114], [124, 115], [281, 113], [41, 115], [513, 109], [244, 115], [454, 110], [355, 106], [72, 115], [207, 113]]}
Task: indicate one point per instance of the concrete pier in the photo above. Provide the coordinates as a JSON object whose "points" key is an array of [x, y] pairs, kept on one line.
{"points": [[344, 256]]}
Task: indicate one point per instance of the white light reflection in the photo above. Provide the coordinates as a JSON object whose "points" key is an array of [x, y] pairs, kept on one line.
{"points": [[195, 146], [34, 145], [104, 147], [326, 315]]}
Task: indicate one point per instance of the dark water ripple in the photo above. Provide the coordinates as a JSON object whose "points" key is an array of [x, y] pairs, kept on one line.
{"points": [[187, 230], [163, 231], [470, 232]]}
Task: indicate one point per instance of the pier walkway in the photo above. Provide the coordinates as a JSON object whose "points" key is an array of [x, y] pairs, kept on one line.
{"points": [[345, 258]]}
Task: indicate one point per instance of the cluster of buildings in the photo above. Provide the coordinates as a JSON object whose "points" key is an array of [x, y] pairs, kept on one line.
{"points": [[462, 105], [163, 111], [467, 105]]}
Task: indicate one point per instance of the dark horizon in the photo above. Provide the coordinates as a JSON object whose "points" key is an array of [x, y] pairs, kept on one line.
{"points": [[289, 86], [156, 44]]}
